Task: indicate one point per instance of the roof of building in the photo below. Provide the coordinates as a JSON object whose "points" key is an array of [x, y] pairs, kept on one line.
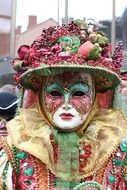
{"points": [[30, 34]]}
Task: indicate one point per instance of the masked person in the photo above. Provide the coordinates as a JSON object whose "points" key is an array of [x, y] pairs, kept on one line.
{"points": [[8, 106], [63, 140]]}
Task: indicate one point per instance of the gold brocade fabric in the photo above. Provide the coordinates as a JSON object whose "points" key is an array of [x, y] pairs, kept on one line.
{"points": [[31, 133], [104, 133]]}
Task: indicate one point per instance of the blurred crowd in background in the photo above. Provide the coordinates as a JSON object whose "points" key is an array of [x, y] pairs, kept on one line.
{"points": [[8, 105]]}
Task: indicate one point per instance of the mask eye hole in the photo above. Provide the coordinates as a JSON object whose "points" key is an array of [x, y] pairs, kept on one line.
{"points": [[55, 93], [79, 93]]}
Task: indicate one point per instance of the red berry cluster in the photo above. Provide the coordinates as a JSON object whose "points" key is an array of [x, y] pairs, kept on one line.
{"points": [[84, 155], [49, 36], [118, 56]]}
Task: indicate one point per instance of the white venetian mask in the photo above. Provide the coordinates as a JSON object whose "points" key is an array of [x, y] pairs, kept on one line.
{"points": [[67, 99]]}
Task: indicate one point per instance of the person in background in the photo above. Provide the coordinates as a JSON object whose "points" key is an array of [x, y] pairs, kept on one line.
{"points": [[8, 106], [61, 139], [10, 88]]}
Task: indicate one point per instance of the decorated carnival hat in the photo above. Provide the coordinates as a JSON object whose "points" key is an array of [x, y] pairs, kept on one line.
{"points": [[74, 47]]}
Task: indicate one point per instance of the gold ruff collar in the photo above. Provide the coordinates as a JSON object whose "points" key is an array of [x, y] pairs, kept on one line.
{"points": [[30, 132]]}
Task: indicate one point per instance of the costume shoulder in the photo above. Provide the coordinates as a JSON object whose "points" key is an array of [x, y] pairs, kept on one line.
{"points": [[111, 120], [108, 123]]}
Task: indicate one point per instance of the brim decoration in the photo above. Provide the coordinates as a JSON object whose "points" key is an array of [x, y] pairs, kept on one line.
{"points": [[74, 47]]}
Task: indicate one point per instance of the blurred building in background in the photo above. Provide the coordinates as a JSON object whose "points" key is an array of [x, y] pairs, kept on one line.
{"points": [[33, 30], [5, 27], [124, 27], [12, 36], [6, 71]]}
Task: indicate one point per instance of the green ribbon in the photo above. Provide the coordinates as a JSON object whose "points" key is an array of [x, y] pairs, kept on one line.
{"points": [[67, 166]]}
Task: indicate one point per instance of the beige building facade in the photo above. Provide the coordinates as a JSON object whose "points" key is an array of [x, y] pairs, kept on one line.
{"points": [[34, 30]]}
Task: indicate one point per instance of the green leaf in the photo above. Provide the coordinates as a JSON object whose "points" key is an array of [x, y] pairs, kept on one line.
{"points": [[94, 53], [102, 40], [81, 23]]}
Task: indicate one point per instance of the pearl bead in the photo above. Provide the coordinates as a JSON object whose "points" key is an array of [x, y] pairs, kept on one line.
{"points": [[25, 164], [118, 154]]}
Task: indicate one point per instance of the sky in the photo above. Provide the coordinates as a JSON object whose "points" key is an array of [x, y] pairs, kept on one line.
{"points": [[5, 7], [44, 9]]}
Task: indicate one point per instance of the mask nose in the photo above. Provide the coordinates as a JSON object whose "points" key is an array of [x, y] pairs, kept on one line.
{"points": [[66, 107]]}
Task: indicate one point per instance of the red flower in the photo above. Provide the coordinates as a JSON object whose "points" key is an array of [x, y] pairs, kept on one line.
{"points": [[23, 50], [85, 49]]}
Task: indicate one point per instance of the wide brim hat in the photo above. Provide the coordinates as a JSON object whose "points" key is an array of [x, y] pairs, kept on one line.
{"points": [[104, 78], [71, 48]]}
